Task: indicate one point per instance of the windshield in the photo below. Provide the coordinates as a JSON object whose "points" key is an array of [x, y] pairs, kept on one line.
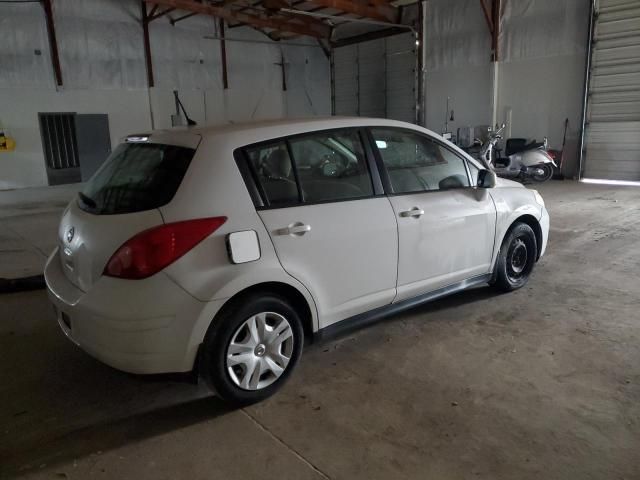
{"points": [[136, 177]]}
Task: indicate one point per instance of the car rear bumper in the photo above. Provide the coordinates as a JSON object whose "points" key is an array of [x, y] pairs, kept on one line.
{"points": [[138, 326]]}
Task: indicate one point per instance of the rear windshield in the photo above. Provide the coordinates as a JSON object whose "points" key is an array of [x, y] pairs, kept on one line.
{"points": [[136, 177]]}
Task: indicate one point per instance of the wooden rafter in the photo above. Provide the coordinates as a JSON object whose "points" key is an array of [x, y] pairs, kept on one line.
{"points": [[317, 29], [276, 5], [152, 16], [495, 34], [147, 42], [53, 42], [379, 2], [487, 15], [381, 13], [492, 17]]}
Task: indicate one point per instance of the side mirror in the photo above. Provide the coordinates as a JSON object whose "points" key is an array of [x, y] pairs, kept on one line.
{"points": [[486, 179]]}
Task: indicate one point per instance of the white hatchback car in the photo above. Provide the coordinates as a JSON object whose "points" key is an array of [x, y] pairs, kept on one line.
{"points": [[218, 250]]}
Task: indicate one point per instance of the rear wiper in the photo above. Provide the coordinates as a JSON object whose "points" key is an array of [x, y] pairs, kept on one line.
{"points": [[88, 201]]}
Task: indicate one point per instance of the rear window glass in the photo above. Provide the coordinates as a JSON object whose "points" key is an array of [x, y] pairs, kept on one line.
{"points": [[136, 177]]}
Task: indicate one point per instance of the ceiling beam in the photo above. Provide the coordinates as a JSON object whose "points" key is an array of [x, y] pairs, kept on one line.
{"points": [[275, 5], [53, 42], [487, 15], [318, 30], [173, 21], [365, 37], [495, 33], [380, 13], [152, 17], [379, 2], [147, 42]]}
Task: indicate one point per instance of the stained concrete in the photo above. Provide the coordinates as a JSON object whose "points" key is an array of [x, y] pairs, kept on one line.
{"points": [[539, 383]]}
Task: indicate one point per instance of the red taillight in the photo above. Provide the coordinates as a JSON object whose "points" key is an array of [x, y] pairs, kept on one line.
{"points": [[152, 250]]}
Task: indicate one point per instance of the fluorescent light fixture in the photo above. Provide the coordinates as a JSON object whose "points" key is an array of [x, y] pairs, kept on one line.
{"points": [[599, 181], [137, 138], [381, 144]]}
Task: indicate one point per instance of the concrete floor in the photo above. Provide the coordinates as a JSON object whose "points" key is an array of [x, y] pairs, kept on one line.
{"points": [[28, 227], [540, 383]]}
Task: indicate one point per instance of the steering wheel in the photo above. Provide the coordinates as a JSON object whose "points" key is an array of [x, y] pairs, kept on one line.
{"points": [[333, 165]]}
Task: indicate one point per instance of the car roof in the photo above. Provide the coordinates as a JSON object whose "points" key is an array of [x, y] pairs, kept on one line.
{"points": [[235, 135], [256, 131], [296, 124]]}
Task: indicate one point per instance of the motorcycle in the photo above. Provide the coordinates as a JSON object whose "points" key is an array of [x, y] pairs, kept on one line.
{"points": [[529, 161]]}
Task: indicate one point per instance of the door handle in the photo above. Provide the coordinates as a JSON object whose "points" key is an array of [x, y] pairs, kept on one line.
{"points": [[414, 212], [296, 229]]}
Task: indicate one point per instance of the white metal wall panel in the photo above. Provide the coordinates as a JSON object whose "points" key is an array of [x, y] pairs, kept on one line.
{"points": [[401, 77], [372, 80], [376, 78], [612, 136], [344, 80]]}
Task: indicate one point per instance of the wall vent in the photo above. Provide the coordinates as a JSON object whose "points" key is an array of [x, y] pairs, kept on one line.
{"points": [[60, 147]]}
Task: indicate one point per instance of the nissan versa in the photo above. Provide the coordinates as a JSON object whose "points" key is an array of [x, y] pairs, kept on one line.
{"points": [[218, 250]]}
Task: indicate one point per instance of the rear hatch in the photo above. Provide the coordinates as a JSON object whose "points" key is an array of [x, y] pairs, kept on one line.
{"points": [[121, 200]]}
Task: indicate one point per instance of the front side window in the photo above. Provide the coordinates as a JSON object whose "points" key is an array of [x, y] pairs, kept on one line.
{"points": [[136, 177], [415, 163], [331, 166]]}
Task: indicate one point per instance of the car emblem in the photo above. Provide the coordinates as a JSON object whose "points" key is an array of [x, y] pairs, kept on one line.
{"points": [[70, 233]]}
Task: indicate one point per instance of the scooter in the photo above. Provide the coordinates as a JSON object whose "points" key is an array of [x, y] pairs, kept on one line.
{"points": [[528, 162]]}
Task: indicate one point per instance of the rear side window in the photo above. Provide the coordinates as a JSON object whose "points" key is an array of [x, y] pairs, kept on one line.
{"points": [[319, 167], [332, 166], [136, 177], [273, 170], [415, 163]]}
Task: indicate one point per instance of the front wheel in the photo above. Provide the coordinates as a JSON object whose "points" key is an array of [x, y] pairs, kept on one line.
{"points": [[542, 172], [516, 258], [251, 349]]}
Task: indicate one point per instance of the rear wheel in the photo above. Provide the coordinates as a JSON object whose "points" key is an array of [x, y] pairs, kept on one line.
{"points": [[543, 172], [516, 258], [252, 348]]}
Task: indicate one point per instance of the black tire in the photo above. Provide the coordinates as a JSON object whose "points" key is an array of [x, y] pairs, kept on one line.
{"points": [[547, 168], [213, 355], [516, 258]]}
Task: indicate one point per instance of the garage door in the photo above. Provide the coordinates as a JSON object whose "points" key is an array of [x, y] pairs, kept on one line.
{"points": [[376, 78], [612, 135]]}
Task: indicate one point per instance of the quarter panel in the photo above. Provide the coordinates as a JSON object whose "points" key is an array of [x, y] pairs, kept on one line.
{"points": [[511, 203], [214, 187]]}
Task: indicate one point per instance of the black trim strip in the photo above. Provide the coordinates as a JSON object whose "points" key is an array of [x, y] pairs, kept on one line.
{"points": [[294, 167], [374, 172], [250, 178], [362, 320]]}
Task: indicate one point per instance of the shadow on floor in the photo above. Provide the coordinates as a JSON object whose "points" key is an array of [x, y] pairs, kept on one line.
{"points": [[110, 435], [67, 405]]}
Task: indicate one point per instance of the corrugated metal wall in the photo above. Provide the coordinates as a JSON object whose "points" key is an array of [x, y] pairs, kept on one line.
{"points": [[612, 135], [376, 78]]}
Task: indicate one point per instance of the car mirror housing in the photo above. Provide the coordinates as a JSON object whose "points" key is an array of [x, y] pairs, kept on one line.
{"points": [[486, 179]]}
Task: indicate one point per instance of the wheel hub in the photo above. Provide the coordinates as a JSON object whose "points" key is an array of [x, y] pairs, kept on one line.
{"points": [[259, 351], [519, 257]]}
